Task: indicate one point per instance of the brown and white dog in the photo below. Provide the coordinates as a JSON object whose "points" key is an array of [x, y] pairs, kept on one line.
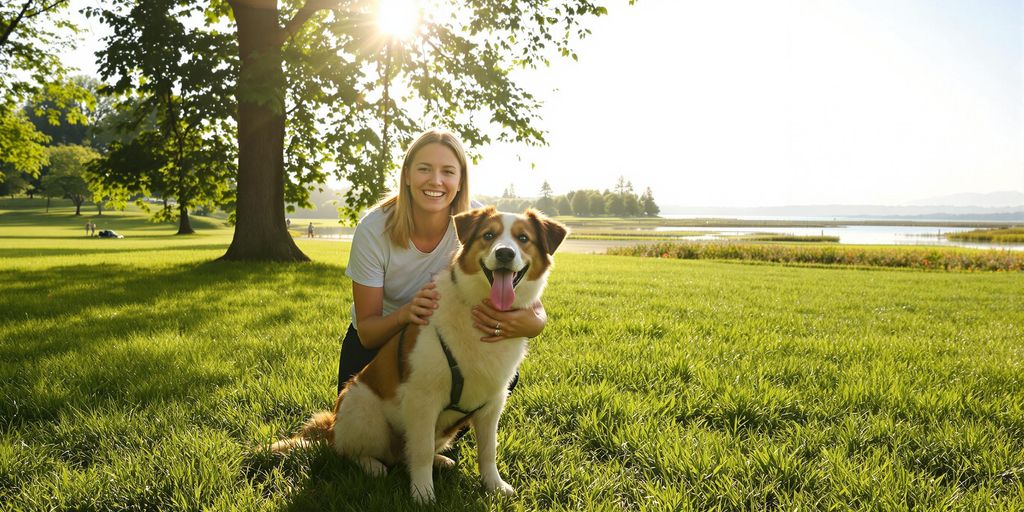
{"points": [[428, 382]]}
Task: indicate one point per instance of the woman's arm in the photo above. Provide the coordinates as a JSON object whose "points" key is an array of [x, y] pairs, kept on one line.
{"points": [[516, 323], [375, 328]]}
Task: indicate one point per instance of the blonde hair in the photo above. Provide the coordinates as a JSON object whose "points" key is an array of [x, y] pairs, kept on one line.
{"points": [[399, 223]]}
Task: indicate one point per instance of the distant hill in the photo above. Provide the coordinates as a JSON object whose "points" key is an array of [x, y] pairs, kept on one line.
{"points": [[1000, 199], [866, 211], [1006, 205]]}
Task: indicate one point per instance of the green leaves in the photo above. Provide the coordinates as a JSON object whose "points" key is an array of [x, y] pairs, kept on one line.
{"points": [[175, 82], [33, 33], [355, 99], [346, 98], [67, 175], [21, 145]]}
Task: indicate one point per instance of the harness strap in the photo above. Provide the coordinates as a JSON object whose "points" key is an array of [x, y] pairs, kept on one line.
{"points": [[401, 343], [457, 382]]}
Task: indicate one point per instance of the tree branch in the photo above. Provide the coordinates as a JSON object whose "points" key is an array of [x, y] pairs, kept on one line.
{"points": [[25, 14], [305, 12], [46, 8], [14, 23]]}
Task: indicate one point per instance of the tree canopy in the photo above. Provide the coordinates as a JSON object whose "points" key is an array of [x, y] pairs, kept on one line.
{"points": [[33, 33], [318, 88], [67, 174], [174, 85]]}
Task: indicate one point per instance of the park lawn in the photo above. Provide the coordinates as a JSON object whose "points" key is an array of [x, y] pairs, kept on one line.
{"points": [[139, 374]]}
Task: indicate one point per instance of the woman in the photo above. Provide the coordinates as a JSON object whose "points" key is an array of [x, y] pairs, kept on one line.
{"points": [[402, 243]]}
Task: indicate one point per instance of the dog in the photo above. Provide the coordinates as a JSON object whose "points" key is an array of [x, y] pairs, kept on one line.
{"points": [[428, 382]]}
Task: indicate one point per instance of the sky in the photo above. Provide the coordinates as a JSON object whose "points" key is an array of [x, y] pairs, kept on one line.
{"points": [[760, 103]]}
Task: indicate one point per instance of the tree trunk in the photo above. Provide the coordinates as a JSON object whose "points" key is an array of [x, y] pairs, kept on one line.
{"points": [[260, 230], [78, 208], [184, 225]]}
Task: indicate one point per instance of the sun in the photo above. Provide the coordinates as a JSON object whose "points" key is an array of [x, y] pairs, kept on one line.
{"points": [[398, 18]]}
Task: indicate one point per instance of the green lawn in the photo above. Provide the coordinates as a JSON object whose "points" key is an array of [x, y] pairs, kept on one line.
{"points": [[139, 374]]}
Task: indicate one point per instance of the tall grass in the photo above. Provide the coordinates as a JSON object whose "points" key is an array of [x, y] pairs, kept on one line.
{"points": [[1001, 235], [144, 376], [928, 258]]}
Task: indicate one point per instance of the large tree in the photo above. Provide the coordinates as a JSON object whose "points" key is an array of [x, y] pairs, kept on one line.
{"points": [[546, 203], [175, 121], [581, 203], [67, 174], [647, 204], [318, 82], [13, 181]]}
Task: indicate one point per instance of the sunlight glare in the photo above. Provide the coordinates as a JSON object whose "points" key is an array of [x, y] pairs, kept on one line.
{"points": [[398, 18]]}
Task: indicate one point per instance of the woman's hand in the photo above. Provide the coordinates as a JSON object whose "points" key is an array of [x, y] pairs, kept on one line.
{"points": [[515, 323], [422, 305]]}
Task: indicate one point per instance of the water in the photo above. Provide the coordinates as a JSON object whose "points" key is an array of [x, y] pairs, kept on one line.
{"points": [[852, 234]]}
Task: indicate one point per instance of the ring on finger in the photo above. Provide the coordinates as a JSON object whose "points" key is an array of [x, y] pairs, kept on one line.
{"points": [[497, 331]]}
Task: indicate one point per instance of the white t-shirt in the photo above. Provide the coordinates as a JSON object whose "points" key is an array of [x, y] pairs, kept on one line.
{"points": [[376, 263]]}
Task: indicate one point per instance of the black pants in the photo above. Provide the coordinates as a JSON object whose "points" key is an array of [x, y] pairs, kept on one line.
{"points": [[354, 357]]}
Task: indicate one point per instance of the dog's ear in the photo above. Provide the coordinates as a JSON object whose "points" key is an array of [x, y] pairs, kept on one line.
{"points": [[467, 222], [549, 232]]}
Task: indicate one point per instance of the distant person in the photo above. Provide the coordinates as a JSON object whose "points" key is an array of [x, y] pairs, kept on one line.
{"points": [[288, 222], [309, 230], [88, 224], [92, 228]]}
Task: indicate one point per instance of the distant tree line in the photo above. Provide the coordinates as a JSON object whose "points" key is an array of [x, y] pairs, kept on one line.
{"points": [[621, 201], [64, 131], [132, 148]]}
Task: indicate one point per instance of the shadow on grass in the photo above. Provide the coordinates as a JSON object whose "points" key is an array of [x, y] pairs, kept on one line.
{"points": [[326, 481], [117, 220], [44, 252], [94, 321]]}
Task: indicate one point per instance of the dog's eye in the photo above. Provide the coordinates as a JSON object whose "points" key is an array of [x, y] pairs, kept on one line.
{"points": [[523, 238], [488, 236]]}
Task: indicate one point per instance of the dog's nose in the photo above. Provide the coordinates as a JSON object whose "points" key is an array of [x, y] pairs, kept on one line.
{"points": [[505, 255]]}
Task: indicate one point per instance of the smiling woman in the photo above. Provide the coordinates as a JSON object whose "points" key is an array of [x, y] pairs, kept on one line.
{"points": [[398, 18]]}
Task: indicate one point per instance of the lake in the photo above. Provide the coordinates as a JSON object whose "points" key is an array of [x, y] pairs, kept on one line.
{"points": [[852, 234]]}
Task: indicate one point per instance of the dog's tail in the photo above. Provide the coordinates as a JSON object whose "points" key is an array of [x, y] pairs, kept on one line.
{"points": [[318, 429]]}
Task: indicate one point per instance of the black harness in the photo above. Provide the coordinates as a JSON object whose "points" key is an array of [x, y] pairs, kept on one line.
{"points": [[458, 381]]}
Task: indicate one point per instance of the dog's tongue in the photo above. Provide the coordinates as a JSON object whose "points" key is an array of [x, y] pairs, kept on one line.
{"points": [[502, 293]]}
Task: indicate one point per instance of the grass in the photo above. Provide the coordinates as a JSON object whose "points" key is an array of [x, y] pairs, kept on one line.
{"points": [[926, 258], [1001, 235], [140, 375]]}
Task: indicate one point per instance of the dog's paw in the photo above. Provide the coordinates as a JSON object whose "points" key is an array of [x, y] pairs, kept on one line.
{"points": [[422, 494], [372, 466], [500, 486], [440, 461]]}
